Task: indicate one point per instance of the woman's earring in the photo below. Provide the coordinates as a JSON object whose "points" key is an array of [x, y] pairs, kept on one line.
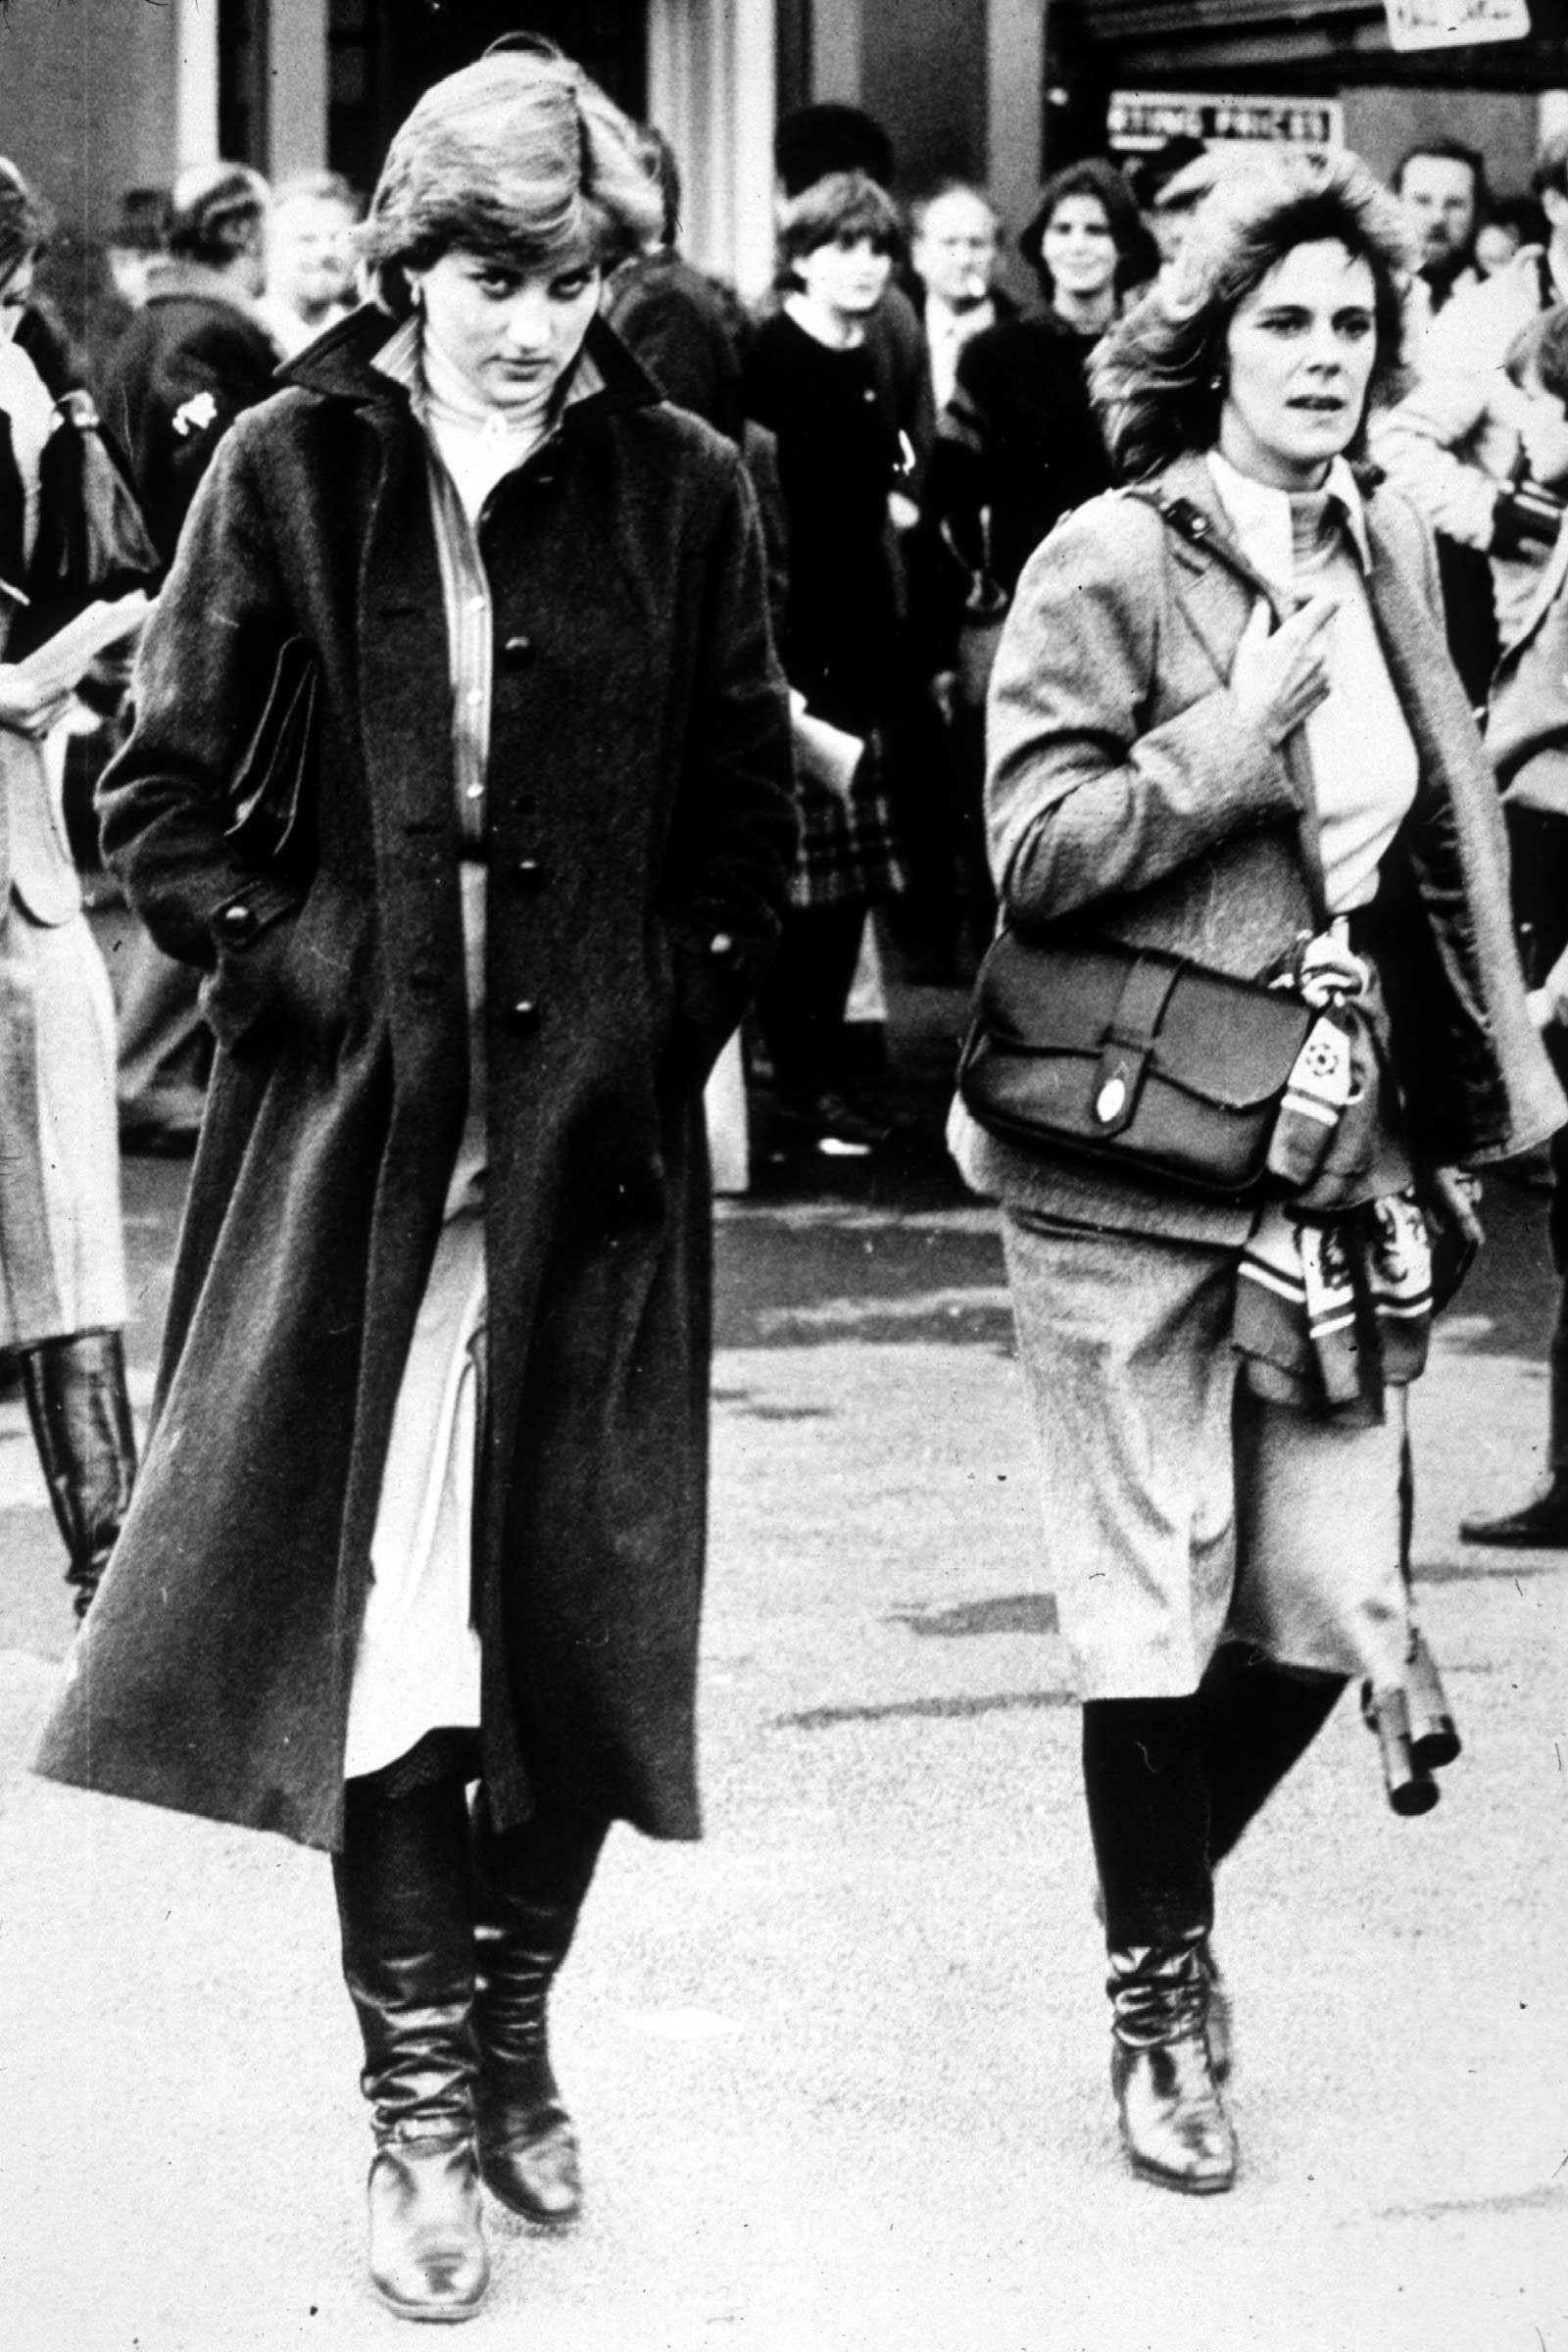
{"points": [[1216, 383]]}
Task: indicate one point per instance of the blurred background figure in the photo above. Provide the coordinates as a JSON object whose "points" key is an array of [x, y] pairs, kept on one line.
{"points": [[1089, 248], [68, 534], [309, 258], [1452, 443], [1527, 738], [813, 381], [955, 246], [1443, 187], [192, 359], [137, 238], [1017, 447], [689, 331], [1152, 179], [1511, 222]]}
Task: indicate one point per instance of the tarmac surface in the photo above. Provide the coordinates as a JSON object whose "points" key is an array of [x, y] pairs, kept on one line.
{"points": [[841, 2069]]}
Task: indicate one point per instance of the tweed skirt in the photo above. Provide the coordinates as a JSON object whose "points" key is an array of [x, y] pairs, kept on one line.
{"points": [[62, 1250], [1179, 1510]]}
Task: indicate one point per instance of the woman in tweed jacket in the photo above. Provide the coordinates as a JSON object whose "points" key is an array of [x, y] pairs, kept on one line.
{"points": [[1224, 721]]}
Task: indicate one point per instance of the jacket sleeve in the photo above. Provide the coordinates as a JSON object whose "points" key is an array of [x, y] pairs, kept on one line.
{"points": [[732, 836], [1424, 445], [203, 672], [1085, 801]]}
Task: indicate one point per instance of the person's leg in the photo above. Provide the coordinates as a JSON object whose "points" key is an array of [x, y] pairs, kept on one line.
{"points": [[1539, 882], [165, 1048], [1148, 1798], [529, 1886], [799, 1009], [1257, 1721], [79, 1409], [405, 1909]]}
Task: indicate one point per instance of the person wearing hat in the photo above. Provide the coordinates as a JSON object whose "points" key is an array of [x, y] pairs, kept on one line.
{"points": [[194, 358]]}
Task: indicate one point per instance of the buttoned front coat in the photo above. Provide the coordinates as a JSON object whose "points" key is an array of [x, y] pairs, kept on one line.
{"points": [[640, 825]]}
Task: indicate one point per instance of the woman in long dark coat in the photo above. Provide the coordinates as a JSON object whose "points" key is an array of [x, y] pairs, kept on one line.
{"points": [[424, 1497]]}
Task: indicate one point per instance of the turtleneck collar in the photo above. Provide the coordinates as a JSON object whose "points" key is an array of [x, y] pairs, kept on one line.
{"points": [[1269, 523]]}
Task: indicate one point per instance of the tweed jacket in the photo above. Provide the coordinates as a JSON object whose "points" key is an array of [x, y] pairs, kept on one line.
{"points": [[1126, 788]]}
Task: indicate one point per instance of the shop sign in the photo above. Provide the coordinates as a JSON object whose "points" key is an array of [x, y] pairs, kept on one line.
{"points": [[1140, 121], [1456, 23]]}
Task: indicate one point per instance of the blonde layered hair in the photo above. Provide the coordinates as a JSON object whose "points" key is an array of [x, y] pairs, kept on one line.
{"points": [[520, 158], [1157, 378]]}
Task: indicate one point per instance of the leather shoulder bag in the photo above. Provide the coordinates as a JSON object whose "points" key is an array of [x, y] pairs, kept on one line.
{"points": [[1131, 1056]]}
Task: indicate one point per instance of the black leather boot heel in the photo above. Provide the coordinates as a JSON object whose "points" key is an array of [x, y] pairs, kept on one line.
{"points": [[81, 1414], [528, 1890], [1173, 2121], [406, 1908]]}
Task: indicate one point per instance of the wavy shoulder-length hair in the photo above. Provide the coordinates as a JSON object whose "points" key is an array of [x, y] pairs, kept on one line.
{"points": [[1137, 253], [520, 158], [1157, 377]]}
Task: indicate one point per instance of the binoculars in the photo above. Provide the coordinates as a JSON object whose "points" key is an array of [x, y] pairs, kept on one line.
{"points": [[1414, 1729]]}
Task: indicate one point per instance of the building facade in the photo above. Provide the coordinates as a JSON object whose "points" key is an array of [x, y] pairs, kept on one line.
{"points": [[98, 97]]}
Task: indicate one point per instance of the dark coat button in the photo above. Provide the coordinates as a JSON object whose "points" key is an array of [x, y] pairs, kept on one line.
{"points": [[517, 652], [522, 1014], [528, 872]]}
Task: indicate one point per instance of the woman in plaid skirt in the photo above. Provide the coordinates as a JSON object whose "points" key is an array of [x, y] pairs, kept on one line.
{"points": [[811, 380]]}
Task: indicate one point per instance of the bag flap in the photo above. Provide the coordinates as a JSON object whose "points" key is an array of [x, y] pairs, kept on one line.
{"points": [[1226, 1041]]}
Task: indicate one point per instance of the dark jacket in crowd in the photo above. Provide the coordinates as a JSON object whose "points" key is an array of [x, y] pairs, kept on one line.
{"points": [[1017, 439], [640, 829], [688, 331], [190, 362]]}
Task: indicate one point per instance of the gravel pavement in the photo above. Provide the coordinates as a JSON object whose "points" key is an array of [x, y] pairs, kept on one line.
{"points": [[839, 2070]]}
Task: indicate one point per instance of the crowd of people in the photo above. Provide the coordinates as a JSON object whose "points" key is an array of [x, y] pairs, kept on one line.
{"points": [[543, 663]]}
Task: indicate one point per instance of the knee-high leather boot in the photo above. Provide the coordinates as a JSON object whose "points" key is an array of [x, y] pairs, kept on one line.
{"points": [[529, 1886], [1145, 1782], [405, 1906], [80, 1415], [1173, 2120]]}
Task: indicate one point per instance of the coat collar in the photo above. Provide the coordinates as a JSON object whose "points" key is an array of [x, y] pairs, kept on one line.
{"points": [[171, 277], [340, 363]]}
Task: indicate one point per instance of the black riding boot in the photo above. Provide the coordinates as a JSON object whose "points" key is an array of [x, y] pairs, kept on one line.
{"points": [[405, 1904], [1148, 1796], [1258, 1721], [80, 1415], [529, 1886]]}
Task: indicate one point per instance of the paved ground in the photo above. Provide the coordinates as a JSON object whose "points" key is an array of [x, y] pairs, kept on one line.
{"points": [[839, 2070]]}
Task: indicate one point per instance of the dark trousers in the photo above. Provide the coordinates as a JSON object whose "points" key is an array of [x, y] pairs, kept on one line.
{"points": [[801, 1006], [1172, 1783]]}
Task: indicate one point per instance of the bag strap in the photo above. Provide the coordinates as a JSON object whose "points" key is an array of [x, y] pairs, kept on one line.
{"points": [[1129, 1040], [1187, 519]]}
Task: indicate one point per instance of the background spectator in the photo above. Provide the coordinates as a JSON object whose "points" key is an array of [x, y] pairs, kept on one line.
{"points": [[309, 258], [189, 363]]}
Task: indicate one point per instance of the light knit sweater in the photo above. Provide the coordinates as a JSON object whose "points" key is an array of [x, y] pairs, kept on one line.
{"points": [[1362, 757]]}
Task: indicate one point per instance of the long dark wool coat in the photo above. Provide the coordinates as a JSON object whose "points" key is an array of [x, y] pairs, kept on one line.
{"points": [[641, 824]]}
